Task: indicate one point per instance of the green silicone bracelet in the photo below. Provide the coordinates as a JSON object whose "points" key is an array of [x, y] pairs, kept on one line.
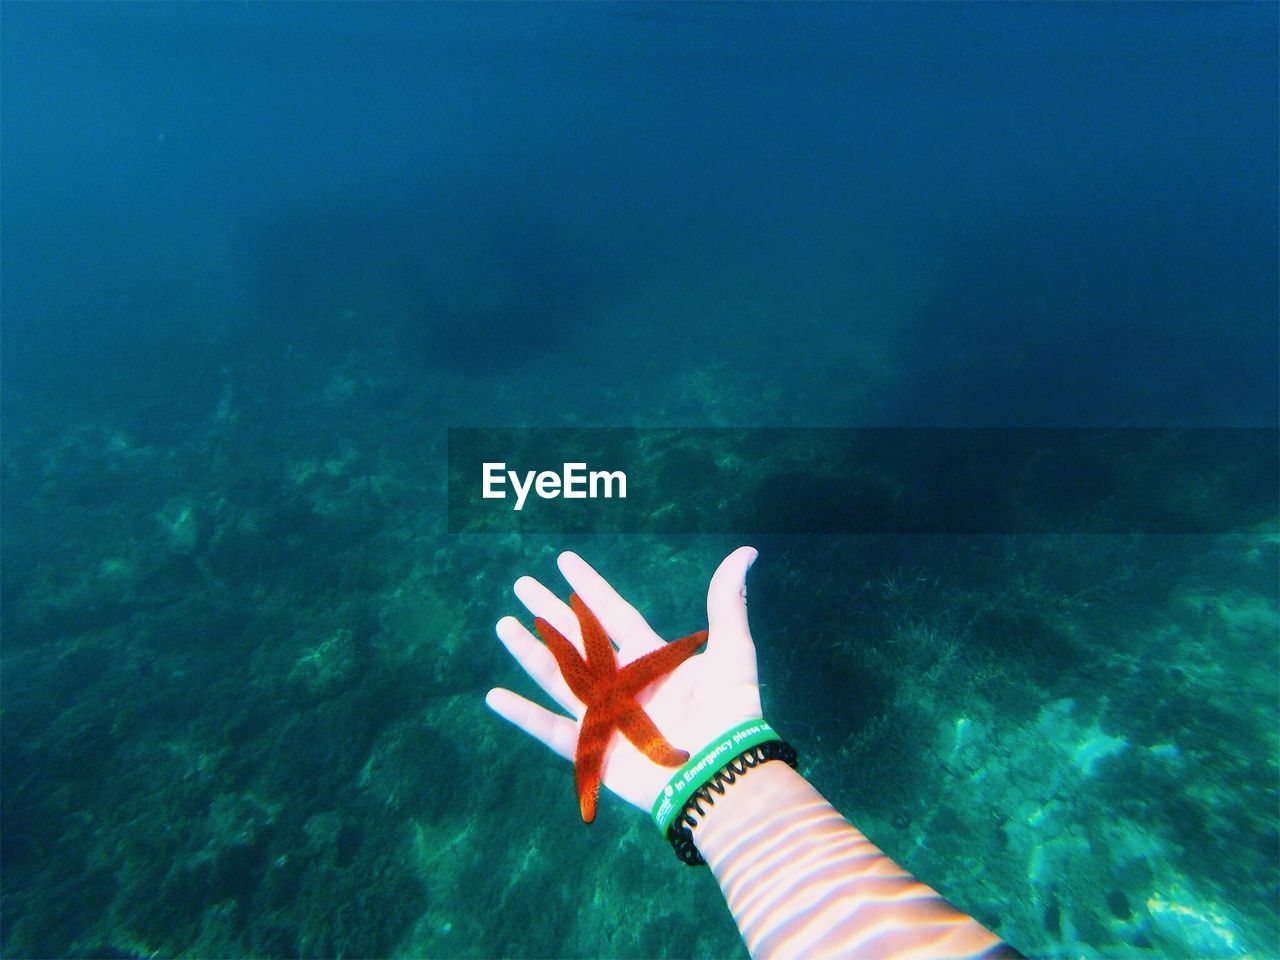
{"points": [[702, 766]]}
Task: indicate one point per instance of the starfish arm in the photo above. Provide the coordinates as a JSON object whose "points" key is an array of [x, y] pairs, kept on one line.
{"points": [[593, 738], [644, 733], [595, 641], [572, 666], [638, 674]]}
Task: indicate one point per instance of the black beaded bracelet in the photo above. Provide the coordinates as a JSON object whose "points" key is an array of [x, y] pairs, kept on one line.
{"points": [[680, 833]]}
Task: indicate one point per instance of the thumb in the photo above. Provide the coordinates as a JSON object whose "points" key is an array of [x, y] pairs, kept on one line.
{"points": [[727, 602]]}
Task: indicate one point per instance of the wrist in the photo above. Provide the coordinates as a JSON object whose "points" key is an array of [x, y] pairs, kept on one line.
{"points": [[710, 762], [707, 779]]}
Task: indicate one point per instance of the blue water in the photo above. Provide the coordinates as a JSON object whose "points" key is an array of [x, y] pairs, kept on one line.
{"points": [[256, 259]]}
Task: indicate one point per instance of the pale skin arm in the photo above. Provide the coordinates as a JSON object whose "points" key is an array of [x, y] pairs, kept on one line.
{"points": [[801, 881]]}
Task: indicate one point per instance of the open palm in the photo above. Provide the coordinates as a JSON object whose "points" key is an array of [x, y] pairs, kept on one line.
{"points": [[702, 697]]}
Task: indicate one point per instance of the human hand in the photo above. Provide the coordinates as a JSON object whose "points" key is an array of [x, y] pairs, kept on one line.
{"points": [[704, 696]]}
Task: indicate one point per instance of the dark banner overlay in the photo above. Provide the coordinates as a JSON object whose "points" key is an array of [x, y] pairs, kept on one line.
{"points": [[877, 480]]}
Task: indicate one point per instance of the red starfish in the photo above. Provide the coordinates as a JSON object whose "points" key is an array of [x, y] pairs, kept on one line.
{"points": [[610, 697]]}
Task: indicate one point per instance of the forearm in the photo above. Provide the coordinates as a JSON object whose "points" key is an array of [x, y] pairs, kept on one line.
{"points": [[801, 881]]}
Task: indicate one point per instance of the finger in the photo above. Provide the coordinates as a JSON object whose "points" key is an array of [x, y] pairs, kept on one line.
{"points": [[557, 732], [541, 602], [727, 602], [628, 629], [538, 662]]}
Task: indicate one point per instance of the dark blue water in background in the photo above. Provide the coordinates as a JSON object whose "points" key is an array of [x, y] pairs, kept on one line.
{"points": [[256, 258], [1064, 214]]}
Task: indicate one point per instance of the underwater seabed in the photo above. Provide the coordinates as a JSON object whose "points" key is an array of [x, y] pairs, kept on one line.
{"points": [[1064, 858], [1098, 825], [244, 706]]}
